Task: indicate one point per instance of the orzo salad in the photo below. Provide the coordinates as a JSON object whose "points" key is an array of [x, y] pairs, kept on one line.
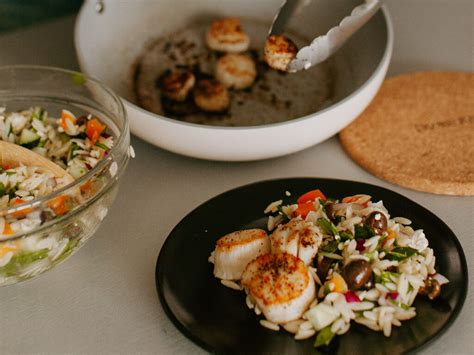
{"points": [[326, 263], [75, 143], [18, 186]]}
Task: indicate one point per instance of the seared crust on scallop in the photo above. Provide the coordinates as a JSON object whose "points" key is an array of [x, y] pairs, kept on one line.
{"points": [[281, 286], [237, 71], [297, 237], [177, 85], [211, 96], [235, 250], [227, 35], [279, 51]]}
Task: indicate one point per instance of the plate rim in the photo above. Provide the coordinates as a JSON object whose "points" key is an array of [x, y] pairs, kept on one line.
{"points": [[159, 275]]}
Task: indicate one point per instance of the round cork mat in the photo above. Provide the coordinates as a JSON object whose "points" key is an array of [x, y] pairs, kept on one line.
{"points": [[419, 133]]}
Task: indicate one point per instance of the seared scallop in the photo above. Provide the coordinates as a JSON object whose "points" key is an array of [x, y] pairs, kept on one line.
{"points": [[237, 71], [177, 85], [279, 51], [297, 237], [211, 96], [235, 250], [227, 35], [281, 286]]}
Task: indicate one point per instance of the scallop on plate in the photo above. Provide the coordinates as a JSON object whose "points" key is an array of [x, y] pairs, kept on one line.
{"points": [[135, 46]]}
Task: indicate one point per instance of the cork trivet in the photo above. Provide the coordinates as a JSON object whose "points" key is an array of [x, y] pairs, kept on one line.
{"points": [[419, 133]]}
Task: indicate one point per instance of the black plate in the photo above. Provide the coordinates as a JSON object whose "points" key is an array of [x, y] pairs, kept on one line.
{"points": [[217, 318]]}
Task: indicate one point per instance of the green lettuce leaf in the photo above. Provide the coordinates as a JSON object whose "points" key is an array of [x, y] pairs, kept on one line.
{"points": [[327, 226], [400, 253], [324, 337], [22, 259], [363, 231]]}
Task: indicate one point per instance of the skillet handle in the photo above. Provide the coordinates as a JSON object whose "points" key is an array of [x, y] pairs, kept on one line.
{"points": [[99, 6]]}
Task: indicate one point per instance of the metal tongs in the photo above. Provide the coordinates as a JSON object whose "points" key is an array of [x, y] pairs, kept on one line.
{"points": [[324, 46]]}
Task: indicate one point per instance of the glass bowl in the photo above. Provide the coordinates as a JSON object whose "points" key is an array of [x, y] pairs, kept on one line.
{"points": [[49, 235]]}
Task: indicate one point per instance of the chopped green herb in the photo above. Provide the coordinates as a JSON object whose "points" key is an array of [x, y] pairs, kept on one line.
{"points": [[400, 304], [363, 231], [12, 192], [324, 337], [38, 114], [370, 255], [331, 247], [385, 277], [74, 147], [103, 146], [381, 239], [400, 253], [346, 236], [327, 226]]}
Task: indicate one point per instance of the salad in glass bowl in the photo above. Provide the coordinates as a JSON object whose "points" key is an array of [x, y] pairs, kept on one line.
{"points": [[77, 123]]}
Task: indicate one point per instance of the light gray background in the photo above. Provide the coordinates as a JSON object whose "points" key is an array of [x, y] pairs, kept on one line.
{"points": [[103, 299]]}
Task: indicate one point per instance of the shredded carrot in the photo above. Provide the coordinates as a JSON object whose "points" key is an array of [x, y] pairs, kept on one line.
{"points": [[94, 129], [22, 212], [59, 205], [7, 229], [86, 187], [67, 116], [311, 196]]}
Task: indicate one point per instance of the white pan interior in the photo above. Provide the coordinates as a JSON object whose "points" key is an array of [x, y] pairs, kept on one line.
{"points": [[274, 96], [109, 43]]}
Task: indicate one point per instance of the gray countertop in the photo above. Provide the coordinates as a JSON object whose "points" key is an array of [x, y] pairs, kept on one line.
{"points": [[103, 299]]}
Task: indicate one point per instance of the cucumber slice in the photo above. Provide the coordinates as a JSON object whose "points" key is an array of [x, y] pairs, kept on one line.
{"points": [[29, 139], [322, 315], [7, 128], [77, 172]]}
